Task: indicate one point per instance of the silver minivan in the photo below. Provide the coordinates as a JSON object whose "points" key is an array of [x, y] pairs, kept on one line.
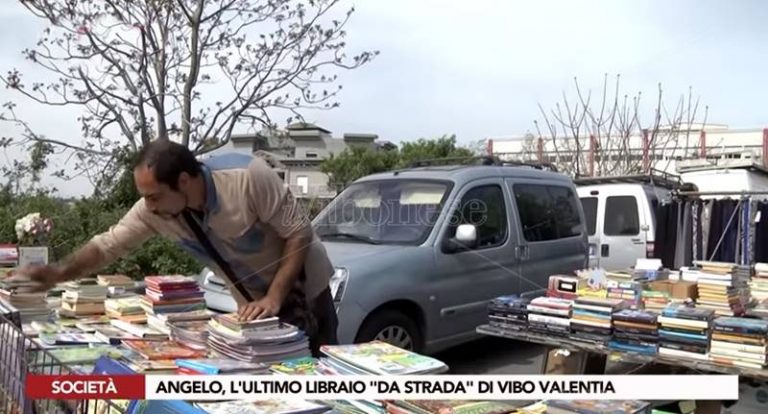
{"points": [[420, 252]]}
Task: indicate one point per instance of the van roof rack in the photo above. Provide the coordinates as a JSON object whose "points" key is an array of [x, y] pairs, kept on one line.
{"points": [[655, 177], [480, 160]]}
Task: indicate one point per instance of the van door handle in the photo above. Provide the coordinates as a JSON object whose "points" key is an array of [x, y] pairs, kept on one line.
{"points": [[637, 241], [604, 250], [522, 252]]}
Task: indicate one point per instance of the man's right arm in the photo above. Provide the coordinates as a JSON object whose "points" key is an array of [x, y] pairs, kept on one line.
{"points": [[132, 230]]}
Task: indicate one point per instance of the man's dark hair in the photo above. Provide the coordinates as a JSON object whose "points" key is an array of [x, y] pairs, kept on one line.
{"points": [[168, 160]]}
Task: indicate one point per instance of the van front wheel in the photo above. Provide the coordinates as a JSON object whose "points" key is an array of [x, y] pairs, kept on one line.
{"points": [[392, 327]]}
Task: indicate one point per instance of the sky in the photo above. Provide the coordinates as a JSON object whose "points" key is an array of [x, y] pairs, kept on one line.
{"points": [[479, 69]]}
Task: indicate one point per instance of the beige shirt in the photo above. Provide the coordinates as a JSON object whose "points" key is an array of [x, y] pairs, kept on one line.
{"points": [[249, 214]]}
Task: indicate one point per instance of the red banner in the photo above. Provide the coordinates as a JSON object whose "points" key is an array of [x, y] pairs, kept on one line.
{"points": [[85, 387]]}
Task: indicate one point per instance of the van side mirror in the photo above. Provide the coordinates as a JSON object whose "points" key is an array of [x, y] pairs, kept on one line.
{"points": [[465, 239]]}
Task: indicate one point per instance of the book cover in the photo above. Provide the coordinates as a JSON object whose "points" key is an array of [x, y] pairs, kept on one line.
{"points": [[298, 366], [293, 406], [381, 358], [456, 407], [599, 406], [165, 350], [213, 366]]}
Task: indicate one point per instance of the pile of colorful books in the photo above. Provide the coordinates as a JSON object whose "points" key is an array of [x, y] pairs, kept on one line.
{"points": [[550, 316], [722, 288], [509, 312], [117, 285], [684, 332], [82, 298], [758, 286], [739, 342], [127, 309], [591, 319], [265, 340], [376, 358], [635, 331], [654, 300], [216, 366], [171, 294]]}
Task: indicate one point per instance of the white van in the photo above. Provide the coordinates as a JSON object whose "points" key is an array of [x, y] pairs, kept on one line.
{"points": [[620, 217]]}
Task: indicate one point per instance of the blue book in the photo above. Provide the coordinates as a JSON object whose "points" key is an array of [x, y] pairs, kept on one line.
{"points": [[683, 336], [108, 366], [213, 366], [165, 407], [621, 346]]}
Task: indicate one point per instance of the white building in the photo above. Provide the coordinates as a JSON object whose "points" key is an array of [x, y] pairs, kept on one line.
{"points": [[296, 154], [707, 144]]}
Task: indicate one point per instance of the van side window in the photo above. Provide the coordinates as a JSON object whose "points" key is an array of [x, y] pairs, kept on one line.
{"points": [[589, 204], [621, 216], [547, 212], [483, 207]]}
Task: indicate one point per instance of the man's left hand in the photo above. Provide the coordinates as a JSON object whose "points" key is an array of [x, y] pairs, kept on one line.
{"points": [[265, 307]]}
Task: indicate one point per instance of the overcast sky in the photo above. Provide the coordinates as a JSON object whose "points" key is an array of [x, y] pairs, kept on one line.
{"points": [[479, 68]]}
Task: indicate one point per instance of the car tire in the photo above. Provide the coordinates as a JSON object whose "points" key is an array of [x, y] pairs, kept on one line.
{"points": [[393, 327]]}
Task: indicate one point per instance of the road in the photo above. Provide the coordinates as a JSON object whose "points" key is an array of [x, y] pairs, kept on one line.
{"points": [[494, 356]]}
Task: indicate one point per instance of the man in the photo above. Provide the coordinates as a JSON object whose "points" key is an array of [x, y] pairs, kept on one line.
{"points": [[234, 214]]}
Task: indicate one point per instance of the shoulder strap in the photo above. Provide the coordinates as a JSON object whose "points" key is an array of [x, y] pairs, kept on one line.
{"points": [[208, 246]]}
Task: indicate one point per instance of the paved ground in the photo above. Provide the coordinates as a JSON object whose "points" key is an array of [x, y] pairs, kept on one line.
{"points": [[494, 356]]}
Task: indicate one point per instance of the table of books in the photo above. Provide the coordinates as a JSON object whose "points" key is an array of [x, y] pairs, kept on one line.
{"points": [[553, 342], [679, 335]]}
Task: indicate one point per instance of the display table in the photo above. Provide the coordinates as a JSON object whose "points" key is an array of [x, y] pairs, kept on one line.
{"points": [[618, 356]]}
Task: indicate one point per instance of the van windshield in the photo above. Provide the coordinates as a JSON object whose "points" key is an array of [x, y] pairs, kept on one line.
{"points": [[383, 212]]}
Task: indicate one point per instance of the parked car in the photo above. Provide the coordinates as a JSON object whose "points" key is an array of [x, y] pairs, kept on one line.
{"points": [[420, 252], [620, 216]]}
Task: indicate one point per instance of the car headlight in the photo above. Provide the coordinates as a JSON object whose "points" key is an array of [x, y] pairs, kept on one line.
{"points": [[338, 282]]}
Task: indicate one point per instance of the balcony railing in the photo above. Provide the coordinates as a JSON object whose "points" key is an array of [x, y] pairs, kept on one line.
{"points": [[312, 191]]}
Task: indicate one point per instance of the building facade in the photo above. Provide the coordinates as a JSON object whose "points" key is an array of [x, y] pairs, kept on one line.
{"points": [[296, 154], [668, 150]]}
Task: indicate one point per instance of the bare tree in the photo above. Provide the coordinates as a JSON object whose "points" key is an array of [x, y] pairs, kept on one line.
{"points": [[140, 69], [607, 136]]}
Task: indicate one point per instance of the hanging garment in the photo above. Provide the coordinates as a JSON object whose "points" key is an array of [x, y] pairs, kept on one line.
{"points": [[696, 215], [706, 218], [666, 233], [761, 233], [723, 237], [683, 247]]}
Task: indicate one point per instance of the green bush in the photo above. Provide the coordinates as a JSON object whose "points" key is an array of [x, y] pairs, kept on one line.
{"points": [[75, 222]]}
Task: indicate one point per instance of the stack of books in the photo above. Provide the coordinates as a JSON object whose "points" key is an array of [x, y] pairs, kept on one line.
{"points": [[449, 406], [126, 309], [509, 312], [550, 316], [627, 290], [266, 340], [722, 288], [31, 306], [758, 286], [83, 298], [162, 321], [193, 334], [654, 300], [162, 350], [739, 342], [117, 285], [139, 330], [171, 294], [684, 332], [591, 319], [635, 331], [376, 358], [216, 366]]}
